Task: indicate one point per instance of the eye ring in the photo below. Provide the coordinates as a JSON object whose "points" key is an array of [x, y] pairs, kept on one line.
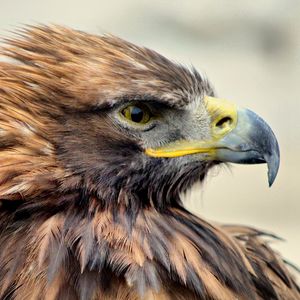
{"points": [[136, 113]]}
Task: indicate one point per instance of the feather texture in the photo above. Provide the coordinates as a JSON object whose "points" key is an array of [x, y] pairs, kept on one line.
{"points": [[83, 214]]}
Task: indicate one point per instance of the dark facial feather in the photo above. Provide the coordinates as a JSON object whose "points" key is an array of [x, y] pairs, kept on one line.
{"points": [[84, 213]]}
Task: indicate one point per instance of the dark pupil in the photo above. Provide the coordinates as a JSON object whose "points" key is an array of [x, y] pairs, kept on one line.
{"points": [[136, 114]]}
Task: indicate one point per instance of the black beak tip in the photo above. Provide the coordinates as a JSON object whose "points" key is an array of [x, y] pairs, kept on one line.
{"points": [[271, 177], [266, 144], [273, 162]]}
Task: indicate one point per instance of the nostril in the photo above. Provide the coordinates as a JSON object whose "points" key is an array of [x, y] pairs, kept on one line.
{"points": [[224, 122]]}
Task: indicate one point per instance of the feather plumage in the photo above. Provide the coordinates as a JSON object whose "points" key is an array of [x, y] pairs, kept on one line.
{"points": [[74, 230]]}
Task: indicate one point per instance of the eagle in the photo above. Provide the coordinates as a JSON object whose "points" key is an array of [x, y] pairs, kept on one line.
{"points": [[99, 138]]}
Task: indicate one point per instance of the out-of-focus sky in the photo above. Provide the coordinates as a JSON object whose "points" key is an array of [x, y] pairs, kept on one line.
{"points": [[250, 50]]}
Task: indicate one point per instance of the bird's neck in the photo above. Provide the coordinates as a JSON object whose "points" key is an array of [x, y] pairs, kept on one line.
{"points": [[85, 237]]}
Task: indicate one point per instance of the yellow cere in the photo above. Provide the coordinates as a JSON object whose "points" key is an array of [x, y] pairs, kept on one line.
{"points": [[223, 116]]}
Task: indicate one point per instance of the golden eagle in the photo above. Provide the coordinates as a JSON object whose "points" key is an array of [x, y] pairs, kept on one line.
{"points": [[98, 139]]}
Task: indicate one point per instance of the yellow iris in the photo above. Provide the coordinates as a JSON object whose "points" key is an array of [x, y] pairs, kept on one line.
{"points": [[137, 113]]}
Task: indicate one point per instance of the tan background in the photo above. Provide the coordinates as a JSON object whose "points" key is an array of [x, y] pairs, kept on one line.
{"points": [[251, 52]]}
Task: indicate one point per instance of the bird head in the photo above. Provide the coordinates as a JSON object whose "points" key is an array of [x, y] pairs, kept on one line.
{"points": [[103, 117]]}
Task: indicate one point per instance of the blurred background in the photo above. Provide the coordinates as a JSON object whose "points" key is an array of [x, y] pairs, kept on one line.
{"points": [[250, 50]]}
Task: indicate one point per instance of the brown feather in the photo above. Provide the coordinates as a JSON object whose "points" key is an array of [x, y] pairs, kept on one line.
{"points": [[70, 232]]}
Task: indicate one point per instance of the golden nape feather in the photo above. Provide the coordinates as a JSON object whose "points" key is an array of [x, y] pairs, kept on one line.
{"points": [[95, 150]]}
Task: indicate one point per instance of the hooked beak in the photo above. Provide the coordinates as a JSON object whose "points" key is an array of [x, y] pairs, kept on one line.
{"points": [[237, 136]]}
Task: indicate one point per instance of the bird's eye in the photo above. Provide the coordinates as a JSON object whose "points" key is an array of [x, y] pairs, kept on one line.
{"points": [[137, 113]]}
